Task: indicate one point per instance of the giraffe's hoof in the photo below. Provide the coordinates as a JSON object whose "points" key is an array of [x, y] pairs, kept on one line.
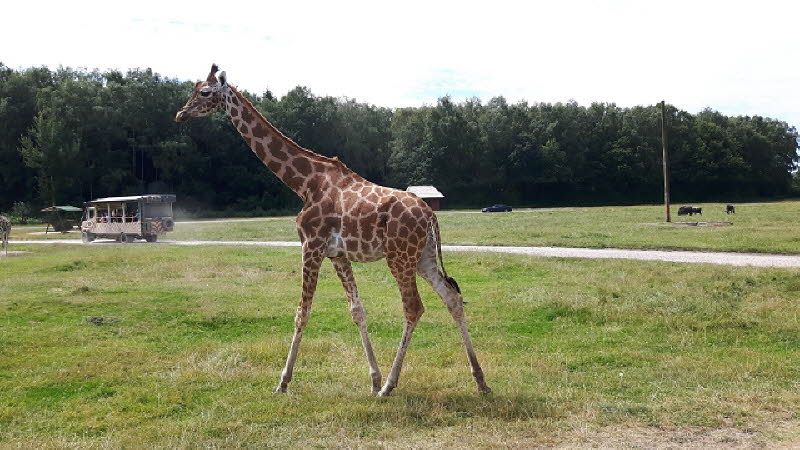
{"points": [[385, 392], [279, 390], [484, 389], [376, 385]]}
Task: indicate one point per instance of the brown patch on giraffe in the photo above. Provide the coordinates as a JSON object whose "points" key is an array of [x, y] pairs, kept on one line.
{"points": [[234, 112], [334, 176], [349, 200], [274, 166], [243, 128], [314, 183], [314, 211], [329, 223], [368, 226], [312, 226], [397, 210], [402, 245], [365, 208], [295, 183], [392, 227], [275, 145], [315, 242], [330, 196], [277, 150], [259, 149], [408, 219], [402, 229], [259, 131], [302, 165]]}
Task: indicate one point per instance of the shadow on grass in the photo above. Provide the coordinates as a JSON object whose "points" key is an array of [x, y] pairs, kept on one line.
{"points": [[448, 410]]}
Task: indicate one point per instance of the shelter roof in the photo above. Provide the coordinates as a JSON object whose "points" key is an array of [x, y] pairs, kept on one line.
{"points": [[425, 191], [62, 208]]}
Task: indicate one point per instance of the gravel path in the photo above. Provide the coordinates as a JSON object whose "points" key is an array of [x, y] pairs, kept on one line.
{"points": [[723, 258]]}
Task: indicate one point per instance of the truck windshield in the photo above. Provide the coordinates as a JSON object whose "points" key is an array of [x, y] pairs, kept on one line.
{"points": [[158, 210]]}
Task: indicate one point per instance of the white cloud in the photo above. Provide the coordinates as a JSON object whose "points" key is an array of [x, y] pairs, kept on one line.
{"points": [[736, 56]]}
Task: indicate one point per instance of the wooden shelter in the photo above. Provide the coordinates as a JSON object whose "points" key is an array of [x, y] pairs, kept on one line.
{"points": [[58, 218], [430, 194]]}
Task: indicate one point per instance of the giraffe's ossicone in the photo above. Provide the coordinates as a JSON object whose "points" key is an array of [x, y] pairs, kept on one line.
{"points": [[344, 218]]}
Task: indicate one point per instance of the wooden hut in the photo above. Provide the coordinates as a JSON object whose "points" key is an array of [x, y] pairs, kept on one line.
{"points": [[430, 194]]}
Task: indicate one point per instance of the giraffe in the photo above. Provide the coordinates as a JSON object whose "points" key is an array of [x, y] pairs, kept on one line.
{"points": [[344, 218], [5, 230]]}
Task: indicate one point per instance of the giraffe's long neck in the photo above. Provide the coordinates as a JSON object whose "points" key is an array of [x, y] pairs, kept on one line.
{"points": [[294, 165]]}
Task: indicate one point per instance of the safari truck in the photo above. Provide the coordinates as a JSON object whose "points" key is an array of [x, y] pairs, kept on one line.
{"points": [[127, 218]]}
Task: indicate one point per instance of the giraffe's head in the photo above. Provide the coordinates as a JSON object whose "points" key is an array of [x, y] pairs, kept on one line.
{"points": [[206, 97]]}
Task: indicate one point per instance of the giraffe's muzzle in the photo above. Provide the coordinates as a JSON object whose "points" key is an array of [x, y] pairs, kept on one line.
{"points": [[182, 116]]}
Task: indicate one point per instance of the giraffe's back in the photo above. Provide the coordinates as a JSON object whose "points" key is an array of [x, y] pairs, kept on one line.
{"points": [[378, 221]]}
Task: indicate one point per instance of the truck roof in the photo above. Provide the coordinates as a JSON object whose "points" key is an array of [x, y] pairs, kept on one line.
{"points": [[149, 198]]}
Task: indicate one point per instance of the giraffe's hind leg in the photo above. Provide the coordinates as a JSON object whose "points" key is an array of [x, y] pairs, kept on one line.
{"points": [[429, 270], [345, 272], [406, 277]]}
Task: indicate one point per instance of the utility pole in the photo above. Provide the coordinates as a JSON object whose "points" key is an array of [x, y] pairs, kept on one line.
{"points": [[665, 158]]}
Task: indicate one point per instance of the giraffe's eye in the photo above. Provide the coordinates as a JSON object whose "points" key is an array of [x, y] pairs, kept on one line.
{"points": [[205, 93]]}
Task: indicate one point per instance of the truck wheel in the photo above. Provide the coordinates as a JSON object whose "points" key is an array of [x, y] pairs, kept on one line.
{"points": [[85, 237], [129, 238], [151, 238]]}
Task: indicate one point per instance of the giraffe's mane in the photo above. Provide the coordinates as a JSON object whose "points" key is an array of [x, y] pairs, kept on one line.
{"points": [[311, 154]]}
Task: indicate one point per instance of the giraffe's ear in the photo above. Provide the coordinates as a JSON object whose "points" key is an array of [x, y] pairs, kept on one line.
{"points": [[223, 79], [211, 78]]}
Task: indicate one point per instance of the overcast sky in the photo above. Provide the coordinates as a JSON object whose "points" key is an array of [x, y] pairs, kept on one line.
{"points": [[738, 57]]}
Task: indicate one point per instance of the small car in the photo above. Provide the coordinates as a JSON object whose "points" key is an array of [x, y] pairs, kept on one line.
{"points": [[497, 208]]}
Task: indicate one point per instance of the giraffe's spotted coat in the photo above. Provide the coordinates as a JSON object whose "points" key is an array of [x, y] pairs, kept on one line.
{"points": [[345, 218]]}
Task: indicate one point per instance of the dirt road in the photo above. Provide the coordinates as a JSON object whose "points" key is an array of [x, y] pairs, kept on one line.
{"points": [[723, 258]]}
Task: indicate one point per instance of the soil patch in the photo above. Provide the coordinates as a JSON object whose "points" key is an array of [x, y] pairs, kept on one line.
{"points": [[14, 253], [702, 224]]}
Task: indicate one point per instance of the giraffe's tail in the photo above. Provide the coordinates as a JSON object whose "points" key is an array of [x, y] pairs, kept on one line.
{"points": [[435, 229]]}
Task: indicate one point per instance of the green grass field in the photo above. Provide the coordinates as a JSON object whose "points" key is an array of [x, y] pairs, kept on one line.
{"points": [[758, 227], [187, 344]]}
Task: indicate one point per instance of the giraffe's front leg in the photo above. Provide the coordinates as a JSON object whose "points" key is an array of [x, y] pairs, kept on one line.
{"points": [[311, 263]]}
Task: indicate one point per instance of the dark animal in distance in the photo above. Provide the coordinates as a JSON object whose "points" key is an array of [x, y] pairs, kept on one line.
{"points": [[730, 209], [689, 210]]}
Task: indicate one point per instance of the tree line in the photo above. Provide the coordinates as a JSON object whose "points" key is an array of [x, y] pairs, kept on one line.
{"points": [[72, 135]]}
